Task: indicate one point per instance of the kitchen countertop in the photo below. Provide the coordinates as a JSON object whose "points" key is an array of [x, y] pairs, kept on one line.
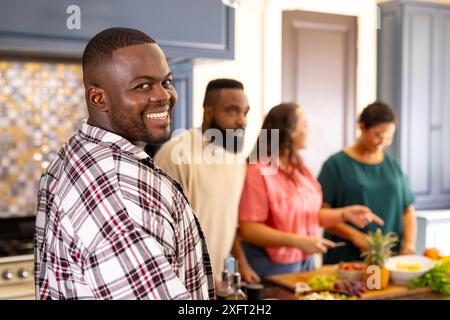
{"points": [[282, 287], [272, 291]]}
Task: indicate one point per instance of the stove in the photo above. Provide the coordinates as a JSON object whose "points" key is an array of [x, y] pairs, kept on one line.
{"points": [[15, 247], [16, 258]]}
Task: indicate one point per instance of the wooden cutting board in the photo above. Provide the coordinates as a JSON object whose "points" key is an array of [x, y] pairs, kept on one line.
{"points": [[392, 291]]}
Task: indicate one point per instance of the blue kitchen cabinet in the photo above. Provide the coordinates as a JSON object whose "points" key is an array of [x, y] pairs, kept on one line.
{"points": [[182, 80], [183, 28], [414, 77]]}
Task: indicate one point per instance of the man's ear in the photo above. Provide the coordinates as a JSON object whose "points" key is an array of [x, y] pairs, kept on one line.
{"points": [[97, 99], [208, 114]]}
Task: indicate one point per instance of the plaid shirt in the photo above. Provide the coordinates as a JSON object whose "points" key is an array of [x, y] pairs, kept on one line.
{"points": [[112, 225]]}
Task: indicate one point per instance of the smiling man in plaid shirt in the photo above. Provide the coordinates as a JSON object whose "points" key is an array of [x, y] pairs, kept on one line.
{"points": [[110, 223]]}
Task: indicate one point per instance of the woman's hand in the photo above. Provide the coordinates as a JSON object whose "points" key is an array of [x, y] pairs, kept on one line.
{"points": [[408, 249], [360, 216], [314, 245], [361, 241], [248, 274]]}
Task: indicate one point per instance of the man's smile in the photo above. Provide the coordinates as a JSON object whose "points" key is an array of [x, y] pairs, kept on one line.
{"points": [[157, 115]]}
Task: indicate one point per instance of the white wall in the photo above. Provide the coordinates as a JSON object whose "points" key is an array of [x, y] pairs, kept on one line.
{"points": [[247, 67], [257, 60]]}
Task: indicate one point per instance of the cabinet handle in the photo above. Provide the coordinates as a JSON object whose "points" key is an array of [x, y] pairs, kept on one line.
{"points": [[436, 127]]}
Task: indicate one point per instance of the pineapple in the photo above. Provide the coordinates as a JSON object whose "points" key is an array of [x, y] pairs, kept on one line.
{"points": [[380, 249]]}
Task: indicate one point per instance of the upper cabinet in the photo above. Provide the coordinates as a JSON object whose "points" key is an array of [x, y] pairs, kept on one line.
{"points": [[188, 29], [414, 77]]}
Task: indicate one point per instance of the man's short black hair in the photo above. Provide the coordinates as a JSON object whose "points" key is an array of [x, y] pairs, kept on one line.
{"points": [[100, 48], [224, 84], [213, 87]]}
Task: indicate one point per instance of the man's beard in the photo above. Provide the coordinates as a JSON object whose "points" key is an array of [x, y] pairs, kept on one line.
{"points": [[157, 142], [137, 132], [153, 144], [232, 139], [151, 140], [141, 135]]}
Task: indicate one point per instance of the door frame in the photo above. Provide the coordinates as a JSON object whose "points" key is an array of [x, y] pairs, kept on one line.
{"points": [[293, 22]]}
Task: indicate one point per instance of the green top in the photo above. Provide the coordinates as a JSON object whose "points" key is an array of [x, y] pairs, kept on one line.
{"points": [[382, 187]]}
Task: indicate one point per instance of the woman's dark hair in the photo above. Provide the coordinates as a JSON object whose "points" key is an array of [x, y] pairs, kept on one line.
{"points": [[377, 113], [283, 118]]}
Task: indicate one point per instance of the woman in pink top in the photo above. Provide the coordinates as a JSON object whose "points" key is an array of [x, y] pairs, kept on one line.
{"points": [[280, 210]]}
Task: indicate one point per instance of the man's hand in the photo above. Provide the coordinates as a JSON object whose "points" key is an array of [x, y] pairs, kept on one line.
{"points": [[360, 216]]}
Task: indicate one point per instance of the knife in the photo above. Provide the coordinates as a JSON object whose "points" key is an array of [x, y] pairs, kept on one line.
{"points": [[339, 244]]}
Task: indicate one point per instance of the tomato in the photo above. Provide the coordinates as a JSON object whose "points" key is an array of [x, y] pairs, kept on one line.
{"points": [[350, 266]]}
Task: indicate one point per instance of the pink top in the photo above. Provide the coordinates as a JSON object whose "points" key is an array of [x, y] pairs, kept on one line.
{"points": [[278, 202]]}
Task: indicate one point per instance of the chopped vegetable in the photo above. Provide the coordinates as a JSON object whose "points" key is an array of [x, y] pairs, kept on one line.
{"points": [[408, 267], [437, 278], [322, 282], [352, 266], [324, 295]]}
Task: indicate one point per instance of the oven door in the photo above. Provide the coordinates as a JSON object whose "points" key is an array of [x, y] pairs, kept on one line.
{"points": [[17, 278], [17, 292]]}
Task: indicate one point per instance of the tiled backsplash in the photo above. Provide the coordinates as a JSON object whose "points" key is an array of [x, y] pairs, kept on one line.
{"points": [[41, 105]]}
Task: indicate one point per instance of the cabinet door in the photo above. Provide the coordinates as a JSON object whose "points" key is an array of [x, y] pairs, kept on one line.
{"points": [[194, 28], [182, 78], [414, 76], [444, 141], [425, 133], [418, 79], [389, 66]]}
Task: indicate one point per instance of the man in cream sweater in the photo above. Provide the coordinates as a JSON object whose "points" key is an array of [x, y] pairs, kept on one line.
{"points": [[209, 165]]}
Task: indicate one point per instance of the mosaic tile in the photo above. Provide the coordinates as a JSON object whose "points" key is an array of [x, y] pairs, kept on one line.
{"points": [[41, 106]]}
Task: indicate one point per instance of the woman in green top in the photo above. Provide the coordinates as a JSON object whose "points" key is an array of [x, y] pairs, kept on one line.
{"points": [[365, 174]]}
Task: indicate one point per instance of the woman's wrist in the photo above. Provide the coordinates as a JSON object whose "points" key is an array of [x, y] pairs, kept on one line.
{"points": [[357, 237], [409, 245], [344, 216], [298, 241]]}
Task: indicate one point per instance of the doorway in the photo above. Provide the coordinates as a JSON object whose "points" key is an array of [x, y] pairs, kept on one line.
{"points": [[319, 73]]}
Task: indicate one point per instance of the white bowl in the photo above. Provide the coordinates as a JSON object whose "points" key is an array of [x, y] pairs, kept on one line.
{"points": [[399, 276]]}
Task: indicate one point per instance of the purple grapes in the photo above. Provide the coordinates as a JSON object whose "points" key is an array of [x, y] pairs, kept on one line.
{"points": [[350, 287]]}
